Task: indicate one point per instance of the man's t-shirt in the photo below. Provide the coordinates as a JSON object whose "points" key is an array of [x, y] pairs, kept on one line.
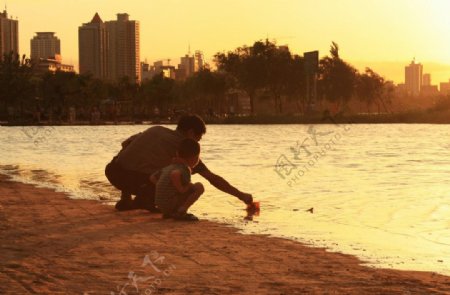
{"points": [[152, 150]]}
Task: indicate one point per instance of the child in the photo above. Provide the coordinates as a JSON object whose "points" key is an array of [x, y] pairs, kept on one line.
{"points": [[175, 192]]}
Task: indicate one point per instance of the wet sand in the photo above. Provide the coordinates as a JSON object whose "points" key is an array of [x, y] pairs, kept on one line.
{"points": [[51, 244]]}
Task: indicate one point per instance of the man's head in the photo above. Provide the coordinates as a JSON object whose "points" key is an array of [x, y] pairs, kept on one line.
{"points": [[192, 126], [189, 151]]}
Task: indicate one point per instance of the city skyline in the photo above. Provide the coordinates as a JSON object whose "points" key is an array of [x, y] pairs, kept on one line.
{"points": [[383, 35], [110, 49]]}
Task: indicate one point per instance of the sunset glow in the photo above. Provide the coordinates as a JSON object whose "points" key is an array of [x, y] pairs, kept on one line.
{"points": [[385, 35]]}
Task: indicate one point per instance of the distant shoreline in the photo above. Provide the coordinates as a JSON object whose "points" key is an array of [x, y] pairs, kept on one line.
{"points": [[422, 117]]}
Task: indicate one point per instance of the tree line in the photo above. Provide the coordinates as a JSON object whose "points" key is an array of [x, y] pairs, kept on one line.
{"points": [[267, 70], [261, 72]]}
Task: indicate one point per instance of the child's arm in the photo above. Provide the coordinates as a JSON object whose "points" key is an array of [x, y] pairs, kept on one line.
{"points": [[175, 177], [155, 177]]}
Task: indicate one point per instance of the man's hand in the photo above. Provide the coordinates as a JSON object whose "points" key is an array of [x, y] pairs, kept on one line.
{"points": [[224, 186], [246, 198]]}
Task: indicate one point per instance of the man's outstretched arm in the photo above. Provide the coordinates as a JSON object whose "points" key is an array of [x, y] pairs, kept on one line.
{"points": [[223, 185]]}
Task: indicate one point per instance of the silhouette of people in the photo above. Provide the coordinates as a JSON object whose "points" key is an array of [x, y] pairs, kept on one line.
{"points": [[147, 152]]}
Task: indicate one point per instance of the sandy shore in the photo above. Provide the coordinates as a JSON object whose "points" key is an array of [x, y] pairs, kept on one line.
{"points": [[51, 244]]}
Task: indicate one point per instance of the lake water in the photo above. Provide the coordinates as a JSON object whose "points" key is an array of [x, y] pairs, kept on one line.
{"points": [[380, 192]]}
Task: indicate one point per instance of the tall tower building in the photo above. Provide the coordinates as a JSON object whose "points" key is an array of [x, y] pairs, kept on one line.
{"points": [[124, 48], [45, 45], [93, 48], [9, 34], [187, 66], [413, 78], [199, 63], [426, 80]]}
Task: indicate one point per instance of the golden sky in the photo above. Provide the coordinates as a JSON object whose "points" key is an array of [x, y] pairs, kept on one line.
{"points": [[383, 34]]}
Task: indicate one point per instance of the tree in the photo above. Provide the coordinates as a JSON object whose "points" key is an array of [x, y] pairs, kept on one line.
{"points": [[60, 90], [206, 89], [92, 91], [388, 93], [296, 82], [158, 91], [278, 63], [337, 79], [246, 65], [369, 87], [263, 66], [16, 85]]}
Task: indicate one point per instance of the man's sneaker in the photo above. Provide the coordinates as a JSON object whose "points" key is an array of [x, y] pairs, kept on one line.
{"points": [[124, 205], [185, 217]]}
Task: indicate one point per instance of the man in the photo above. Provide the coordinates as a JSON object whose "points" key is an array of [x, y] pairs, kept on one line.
{"points": [[147, 152]]}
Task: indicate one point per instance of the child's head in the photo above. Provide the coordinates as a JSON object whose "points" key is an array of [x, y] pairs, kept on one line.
{"points": [[189, 151]]}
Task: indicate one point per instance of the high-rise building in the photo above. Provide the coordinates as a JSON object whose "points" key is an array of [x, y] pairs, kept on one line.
{"points": [[413, 78], [45, 45], [186, 68], [9, 34], [123, 48], [445, 87], [198, 61], [93, 48], [190, 64], [428, 90], [426, 80]]}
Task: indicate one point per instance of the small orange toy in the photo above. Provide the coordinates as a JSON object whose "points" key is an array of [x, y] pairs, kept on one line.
{"points": [[253, 207], [252, 210]]}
